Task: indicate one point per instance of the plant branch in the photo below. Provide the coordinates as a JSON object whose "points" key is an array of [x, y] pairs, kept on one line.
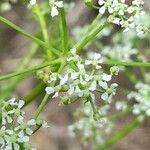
{"points": [[30, 70], [41, 106], [90, 36], [26, 34], [64, 30]]}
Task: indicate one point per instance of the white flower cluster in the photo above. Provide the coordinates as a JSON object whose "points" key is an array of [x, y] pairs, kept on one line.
{"points": [[121, 106], [14, 132], [54, 7], [5, 5], [89, 129], [79, 81], [119, 52], [121, 13], [32, 2], [142, 97]]}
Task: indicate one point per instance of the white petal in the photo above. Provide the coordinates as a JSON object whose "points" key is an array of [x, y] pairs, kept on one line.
{"points": [[104, 96], [101, 2], [32, 2], [92, 96], [54, 12], [148, 112], [45, 125], [98, 67], [64, 79], [103, 85], [55, 95], [9, 119], [97, 56], [73, 51], [59, 4], [106, 77], [29, 131], [88, 62], [49, 90], [71, 90], [31, 122], [12, 101], [136, 111], [78, 91], [88, 77], [74, 75], [10, 132], [20, 119], [93, 86], [23, 139], [16, 146], [102, 10], [21, 103], [80, 66]]}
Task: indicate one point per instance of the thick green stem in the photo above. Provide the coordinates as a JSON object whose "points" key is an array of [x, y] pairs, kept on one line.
{"points": [[122, 133], [64, 31], [30, 70]]}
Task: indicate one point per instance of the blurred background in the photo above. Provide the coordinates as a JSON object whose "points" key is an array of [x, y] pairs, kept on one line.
{"points": [[13, 46]]}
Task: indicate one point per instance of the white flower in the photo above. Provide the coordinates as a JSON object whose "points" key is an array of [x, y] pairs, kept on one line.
{"points": [[49, 90], [19, 131], [59, 4], [54, 11], [32, 2], [96, 60], [93, 86], [103, 84], [64, 80], [55, 95], [101, 2], [106, 77], [102, 10], [80, 66], [116, 21], [45, 125], [74, 75], [78, 91], [104, 96], [71, 90], [31, 122]]}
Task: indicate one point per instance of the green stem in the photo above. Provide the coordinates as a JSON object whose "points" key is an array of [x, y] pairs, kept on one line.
{"points": [[20, 30], [64, 31], [34, 93], [31, 37], [41, 106], [42, 23], [90, 36], [122, 133], [128, 64], [30, 70], [91, 27], [33, 69], [120, 114]]}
